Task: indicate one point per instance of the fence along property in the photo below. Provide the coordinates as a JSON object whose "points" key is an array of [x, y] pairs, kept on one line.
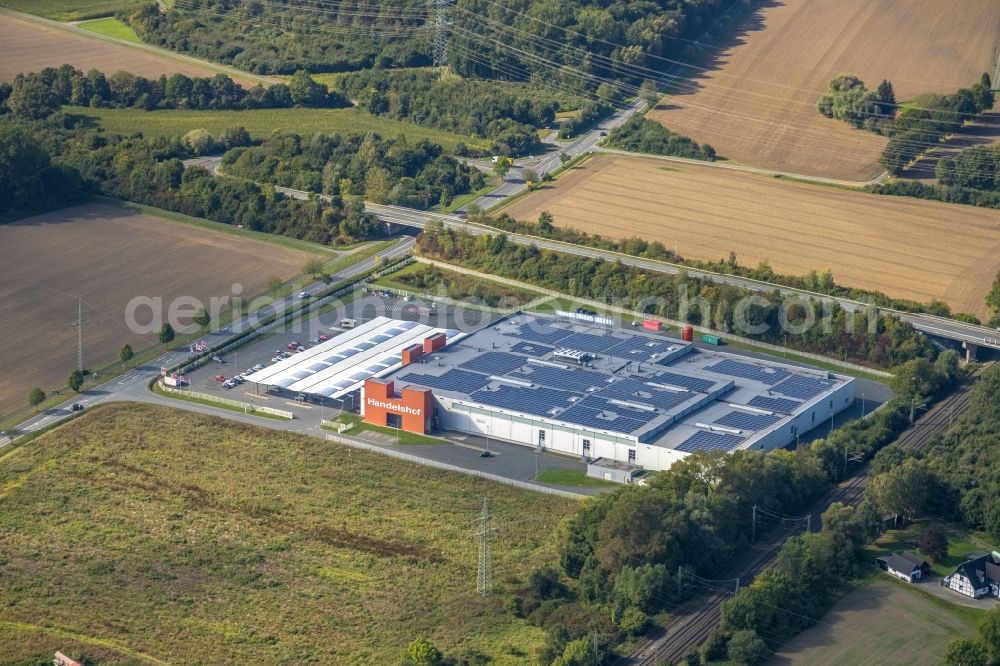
{"points": [[350, 441], [245, 406]]}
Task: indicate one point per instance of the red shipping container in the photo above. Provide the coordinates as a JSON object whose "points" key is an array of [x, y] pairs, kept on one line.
{"points": [[651, 325]]}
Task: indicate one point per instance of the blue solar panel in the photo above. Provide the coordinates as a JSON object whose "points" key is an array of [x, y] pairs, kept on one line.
{"points": [[531, 348], [538, 401], [634, 390], [749, 371], [494, 363], [568, 380], [746, 421], [637, 347], [704, 440], [798, 386], [541, 332], [775, 404], [684, 381], [588, 342], [602, 419], [453, 380]]}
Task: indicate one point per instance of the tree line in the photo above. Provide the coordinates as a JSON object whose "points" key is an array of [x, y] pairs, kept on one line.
{"points": [[836, 333], [911, 129], [46, 158], [506, 114], [39, 94], [641, 135], [515, 40], [392, 171], [972, 177]]}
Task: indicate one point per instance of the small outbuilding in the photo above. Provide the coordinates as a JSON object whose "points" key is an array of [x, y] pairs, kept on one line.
{"points": [[903, 566], [614, 470]]}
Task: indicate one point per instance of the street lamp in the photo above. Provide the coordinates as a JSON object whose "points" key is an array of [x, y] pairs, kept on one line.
{"points": [[862, 405]]}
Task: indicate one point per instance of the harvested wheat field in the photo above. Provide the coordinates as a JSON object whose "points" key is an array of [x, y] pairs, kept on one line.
{"points": [[756, 104], [28, 46], [907, 248], [108, 255]]}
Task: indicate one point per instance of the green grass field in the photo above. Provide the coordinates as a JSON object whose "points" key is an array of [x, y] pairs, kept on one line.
{"points": [[71, 10], [141, 534], [111, 27], [262, 123], [884, 622]]}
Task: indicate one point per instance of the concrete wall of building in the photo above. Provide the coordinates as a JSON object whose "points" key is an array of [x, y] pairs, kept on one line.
{"points": [[525, 429], [816, 415]]}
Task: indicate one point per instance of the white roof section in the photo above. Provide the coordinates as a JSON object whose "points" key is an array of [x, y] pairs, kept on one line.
{"points": [[343, 363]]}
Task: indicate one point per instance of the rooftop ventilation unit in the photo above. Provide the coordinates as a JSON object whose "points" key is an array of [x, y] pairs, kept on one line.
{"points": [[718, 428]]}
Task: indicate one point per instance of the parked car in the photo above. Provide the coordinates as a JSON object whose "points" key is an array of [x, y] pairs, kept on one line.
{"points": [[323, 337], [229, 383], [293, 345], [275, 360], [76, 407], [258, 367], [217, 359], [220, 378], [237, 379]]}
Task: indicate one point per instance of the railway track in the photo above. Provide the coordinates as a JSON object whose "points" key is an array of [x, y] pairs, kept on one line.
{"points": [[694, 619]]}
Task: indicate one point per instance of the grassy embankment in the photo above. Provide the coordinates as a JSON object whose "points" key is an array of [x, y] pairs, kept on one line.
{"points": [[194, 540], [262, 123], [77, 10], [111, 27]]}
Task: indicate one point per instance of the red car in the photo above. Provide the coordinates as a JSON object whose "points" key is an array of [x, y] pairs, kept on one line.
{"points": [[293, 346], [220, 378], [323, 337]]}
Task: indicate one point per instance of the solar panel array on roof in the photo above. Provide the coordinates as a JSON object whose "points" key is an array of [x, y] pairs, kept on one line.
{"points": [[775, 404], [531, 348], [636, 347], [749, 371], [541, 332], [684, 381], [634, 390], [704, 440], [747, 421], [452, 380], [494, 363], [588, 342], [540, 401], [567, 380], [600, 415], [798, 386]]}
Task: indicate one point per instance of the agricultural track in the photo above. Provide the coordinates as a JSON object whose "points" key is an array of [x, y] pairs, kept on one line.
{"points": [[693, 621]]}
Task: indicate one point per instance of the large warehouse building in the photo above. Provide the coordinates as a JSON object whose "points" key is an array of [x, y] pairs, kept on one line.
{"points": [[339, 366], [589, 390]]}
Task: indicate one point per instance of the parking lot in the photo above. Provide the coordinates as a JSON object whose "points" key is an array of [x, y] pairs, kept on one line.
{"points": [[212, 378]]}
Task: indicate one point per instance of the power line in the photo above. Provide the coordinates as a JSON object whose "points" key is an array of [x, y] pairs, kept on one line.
{"points": [[484, 578]]}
